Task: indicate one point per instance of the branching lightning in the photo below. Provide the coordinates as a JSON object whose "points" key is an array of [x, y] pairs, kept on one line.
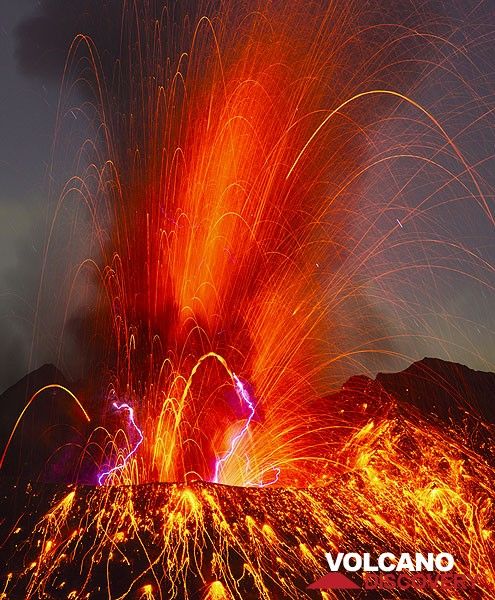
{"points": [[121, 465]]}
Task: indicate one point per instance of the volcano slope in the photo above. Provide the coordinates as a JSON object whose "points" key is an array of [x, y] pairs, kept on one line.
{"points": [[410, 469]]}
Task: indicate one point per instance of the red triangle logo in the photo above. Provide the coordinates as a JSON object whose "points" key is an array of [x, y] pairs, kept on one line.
{"points": [[334, 581]]}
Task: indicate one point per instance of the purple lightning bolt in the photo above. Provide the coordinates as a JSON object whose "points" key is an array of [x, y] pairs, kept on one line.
{"points": [[105, 474], [276, 471], [261, 483], [244, 397]]}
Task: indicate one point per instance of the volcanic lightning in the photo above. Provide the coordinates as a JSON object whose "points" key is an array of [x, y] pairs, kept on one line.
{"points": [[244, 397], [103, 476]]}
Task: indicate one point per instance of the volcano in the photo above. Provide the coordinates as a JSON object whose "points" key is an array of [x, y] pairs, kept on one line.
{"points": [[420, 455]]}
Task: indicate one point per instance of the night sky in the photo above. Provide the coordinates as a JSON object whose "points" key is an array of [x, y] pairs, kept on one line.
{"points": [[27, 117], [445, 308]]}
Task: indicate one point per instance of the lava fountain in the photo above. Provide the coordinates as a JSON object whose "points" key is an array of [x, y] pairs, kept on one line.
{"points": [[221, 228]]}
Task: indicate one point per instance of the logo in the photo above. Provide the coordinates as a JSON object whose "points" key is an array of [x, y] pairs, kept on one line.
{"points": [[390, 572]]}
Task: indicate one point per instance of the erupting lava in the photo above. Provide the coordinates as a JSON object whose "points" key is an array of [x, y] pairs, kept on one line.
{"points": [[223, 194]]}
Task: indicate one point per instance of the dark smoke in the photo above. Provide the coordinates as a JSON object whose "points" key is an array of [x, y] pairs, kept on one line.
{"points": [[44, 39]]}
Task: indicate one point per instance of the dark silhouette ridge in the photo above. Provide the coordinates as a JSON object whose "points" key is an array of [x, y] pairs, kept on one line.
{"points": [[443, 389], [447, 394], [38, 447]]}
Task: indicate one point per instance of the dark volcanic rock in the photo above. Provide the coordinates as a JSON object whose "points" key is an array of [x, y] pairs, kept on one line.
{"points": [[446, 390], [41, 445], [450, 394]]}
